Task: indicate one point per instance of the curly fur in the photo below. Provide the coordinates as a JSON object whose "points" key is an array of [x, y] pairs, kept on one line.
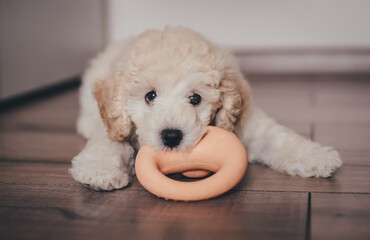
{"points": [[176, 63]]}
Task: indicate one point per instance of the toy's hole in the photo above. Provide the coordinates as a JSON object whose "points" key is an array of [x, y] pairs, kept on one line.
{"points": [[183, 178]]}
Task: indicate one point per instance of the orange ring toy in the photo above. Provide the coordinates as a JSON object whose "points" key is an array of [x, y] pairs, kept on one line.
{"points": [[219, 151]]}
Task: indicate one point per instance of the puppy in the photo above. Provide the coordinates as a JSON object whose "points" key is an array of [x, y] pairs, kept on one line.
{"points": [[163, 89]]}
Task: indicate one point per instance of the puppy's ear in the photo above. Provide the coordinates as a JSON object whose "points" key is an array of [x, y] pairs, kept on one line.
{"points": [[111, 98], [234, 99]]}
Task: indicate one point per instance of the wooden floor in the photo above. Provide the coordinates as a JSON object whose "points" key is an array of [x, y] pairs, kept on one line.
{"points": [[40, 200]]}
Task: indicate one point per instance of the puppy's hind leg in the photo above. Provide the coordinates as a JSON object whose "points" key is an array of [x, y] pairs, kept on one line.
{"points": [[282, 149], [103, 164]]}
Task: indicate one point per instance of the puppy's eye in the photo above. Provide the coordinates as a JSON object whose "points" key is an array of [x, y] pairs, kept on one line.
{"points": [[150, 96], [195, 99]]}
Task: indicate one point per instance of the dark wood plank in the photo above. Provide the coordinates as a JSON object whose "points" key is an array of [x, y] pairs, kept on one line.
{"points": [[39, 146], [42, 201], [359, 158], [284, 97], [340, 216], [282, 90], [351, 139], [340, 114], [34, 174], [343, 91], [315, 114], [137, 215], [313, 98], [346, 136], [57, 113], [342, 99], [354, 179]]}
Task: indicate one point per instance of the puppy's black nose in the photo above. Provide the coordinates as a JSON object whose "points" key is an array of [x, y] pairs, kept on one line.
{"points": [[171, 137]]}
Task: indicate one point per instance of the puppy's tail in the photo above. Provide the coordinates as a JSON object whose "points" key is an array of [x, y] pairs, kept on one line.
{"points": [[282, 149]]}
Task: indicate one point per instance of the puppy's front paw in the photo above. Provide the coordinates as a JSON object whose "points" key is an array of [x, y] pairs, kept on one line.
{"points": [[103, 180], [98, 177], [323, 162]]}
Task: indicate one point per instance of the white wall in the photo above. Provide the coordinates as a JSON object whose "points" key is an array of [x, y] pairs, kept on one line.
{"points": [[46, 41], [250, 24]]}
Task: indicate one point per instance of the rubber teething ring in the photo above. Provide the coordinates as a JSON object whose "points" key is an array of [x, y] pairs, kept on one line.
{"points": [[219, 151]]}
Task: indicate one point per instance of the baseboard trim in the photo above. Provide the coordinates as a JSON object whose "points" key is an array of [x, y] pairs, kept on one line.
{"points": [[40, 93], [304, 61]]}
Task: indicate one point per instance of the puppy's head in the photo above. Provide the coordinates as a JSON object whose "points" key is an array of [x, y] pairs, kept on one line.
{"points": [[171, 85]]}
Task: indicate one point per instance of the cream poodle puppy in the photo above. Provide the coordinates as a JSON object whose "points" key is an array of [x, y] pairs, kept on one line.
{"points": [[163, 89]]}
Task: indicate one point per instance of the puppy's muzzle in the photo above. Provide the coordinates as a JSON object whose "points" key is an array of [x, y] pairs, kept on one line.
{"points": [[171, 137]]}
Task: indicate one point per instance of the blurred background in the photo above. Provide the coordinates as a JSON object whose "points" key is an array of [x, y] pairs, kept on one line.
{"points": [[44, 42]]}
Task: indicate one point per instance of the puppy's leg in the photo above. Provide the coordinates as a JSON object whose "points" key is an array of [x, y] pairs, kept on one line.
{"points": [[103, 164], [282, 149]]}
